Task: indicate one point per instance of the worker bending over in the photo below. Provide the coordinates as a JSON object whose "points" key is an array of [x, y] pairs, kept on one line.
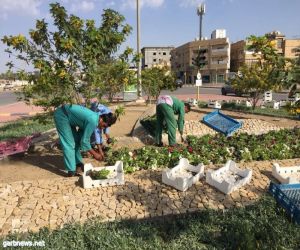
{"points": [[96, 138], [75, 125], [166, 109]]}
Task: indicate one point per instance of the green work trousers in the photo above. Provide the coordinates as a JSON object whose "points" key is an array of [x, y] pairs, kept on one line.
{"points": [[164, 112], [69, 140]]}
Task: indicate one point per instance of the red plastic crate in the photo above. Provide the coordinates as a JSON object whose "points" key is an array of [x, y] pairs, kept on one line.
{"points": [[15, 146]]}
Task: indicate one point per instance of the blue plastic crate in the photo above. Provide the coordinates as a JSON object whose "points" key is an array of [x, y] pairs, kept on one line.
{"points": [[288, 196], [221, 123]]}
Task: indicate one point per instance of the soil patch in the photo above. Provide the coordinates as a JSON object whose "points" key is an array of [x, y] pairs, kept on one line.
{"points": [[48, 165]]}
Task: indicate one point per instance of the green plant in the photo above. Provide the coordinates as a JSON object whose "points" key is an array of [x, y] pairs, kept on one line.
{"points": [[268, 73], [100, 175], [24, 127], [120, 110], [282, 112], [263, 225], [155, 79], [202, 104], [74, 60], [217, 149]]}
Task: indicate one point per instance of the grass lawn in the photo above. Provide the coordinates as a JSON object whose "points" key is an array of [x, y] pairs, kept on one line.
{"points": [[258, 111], [263, 225], [24, 127]]}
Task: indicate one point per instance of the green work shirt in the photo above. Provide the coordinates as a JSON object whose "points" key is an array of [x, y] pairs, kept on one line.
{"points": [[178, 108], [86, 120]]}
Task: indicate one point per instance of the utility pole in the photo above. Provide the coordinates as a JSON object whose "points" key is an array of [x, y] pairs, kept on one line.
{"points": [[139, 69], [201, 12]]}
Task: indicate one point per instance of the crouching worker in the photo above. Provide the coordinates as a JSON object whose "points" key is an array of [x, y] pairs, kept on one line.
{"points": [[166, 109], [97, 138], [75, 125]]}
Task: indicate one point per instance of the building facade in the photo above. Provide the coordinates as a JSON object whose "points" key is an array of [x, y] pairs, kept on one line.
{"points": [[216, 57], [156, 56], [289, 48]]}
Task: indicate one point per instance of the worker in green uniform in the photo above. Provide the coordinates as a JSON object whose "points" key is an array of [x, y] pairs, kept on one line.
{"points": [[166, 109], [75, 125]]}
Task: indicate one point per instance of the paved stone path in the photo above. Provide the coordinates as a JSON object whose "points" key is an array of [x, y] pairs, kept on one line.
{"points": [[31, 205]]}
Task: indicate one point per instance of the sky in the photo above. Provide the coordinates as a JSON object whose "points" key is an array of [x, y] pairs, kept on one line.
{"points": [[162, 22]]}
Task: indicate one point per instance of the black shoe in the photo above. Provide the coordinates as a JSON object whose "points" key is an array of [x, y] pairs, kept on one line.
{"points": [[80, 166], [159, 144], [71, 173]]}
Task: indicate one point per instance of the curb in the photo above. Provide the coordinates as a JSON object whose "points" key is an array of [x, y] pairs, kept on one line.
{"points": [[20, 114]]}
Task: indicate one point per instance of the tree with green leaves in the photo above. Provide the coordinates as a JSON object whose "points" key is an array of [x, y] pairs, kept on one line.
{"points": [[294, 85], [269, 73], [70, 60], [156, 79], [115, 74]]}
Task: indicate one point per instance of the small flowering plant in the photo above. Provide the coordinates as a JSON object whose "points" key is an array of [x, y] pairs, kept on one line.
{"points": [[283, 144]]}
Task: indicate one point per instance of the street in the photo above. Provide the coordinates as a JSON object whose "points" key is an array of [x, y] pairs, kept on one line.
{"points": [[9, 97], [187, 90]]}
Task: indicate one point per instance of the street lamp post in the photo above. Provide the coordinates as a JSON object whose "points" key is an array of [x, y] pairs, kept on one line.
{"points": [[138, 49]]}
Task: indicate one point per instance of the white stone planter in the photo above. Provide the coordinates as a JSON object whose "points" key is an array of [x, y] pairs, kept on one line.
{"points": [[286, 175], [228, 178], [276, 105], [116, 176], [192, 101], [183, 175], [214, 104]]}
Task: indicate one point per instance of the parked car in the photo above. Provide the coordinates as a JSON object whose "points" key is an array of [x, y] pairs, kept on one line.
{"points": [[179, 83], [229, 89]]}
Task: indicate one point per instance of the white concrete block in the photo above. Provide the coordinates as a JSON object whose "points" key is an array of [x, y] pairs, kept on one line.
{"points": [[228, 178], [183, 175], [286, 175], [116, 176], [214, 104], [282, 103], [192, 101], [268, 96], [276, 105], [248, 104]]}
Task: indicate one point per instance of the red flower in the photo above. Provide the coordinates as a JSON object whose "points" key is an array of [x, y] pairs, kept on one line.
{"points": [[190, 149], [170, 149]]}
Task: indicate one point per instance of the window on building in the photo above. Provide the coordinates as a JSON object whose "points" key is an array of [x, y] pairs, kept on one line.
{"points": [[220, 78], [164, 53], [279, 43], [154, 53], [154, 60]]}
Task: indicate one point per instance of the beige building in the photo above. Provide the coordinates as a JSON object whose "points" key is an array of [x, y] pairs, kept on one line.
{"points": [[240, 56], [156, 56], [292, 48], [289, 48], [216, 56]]}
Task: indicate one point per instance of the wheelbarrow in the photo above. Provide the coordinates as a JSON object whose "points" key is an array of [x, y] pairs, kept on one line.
{"points": [[16, 146]]}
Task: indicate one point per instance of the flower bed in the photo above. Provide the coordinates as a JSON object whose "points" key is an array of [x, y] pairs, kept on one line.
{"points": [[217, 149]]}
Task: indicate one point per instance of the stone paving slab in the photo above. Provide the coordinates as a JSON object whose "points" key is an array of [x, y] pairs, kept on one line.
{"points": [[31, 205]]}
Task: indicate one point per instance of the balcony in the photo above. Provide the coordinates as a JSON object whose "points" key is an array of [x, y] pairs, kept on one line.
{"points": [[218, 52], [220, 65]]}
